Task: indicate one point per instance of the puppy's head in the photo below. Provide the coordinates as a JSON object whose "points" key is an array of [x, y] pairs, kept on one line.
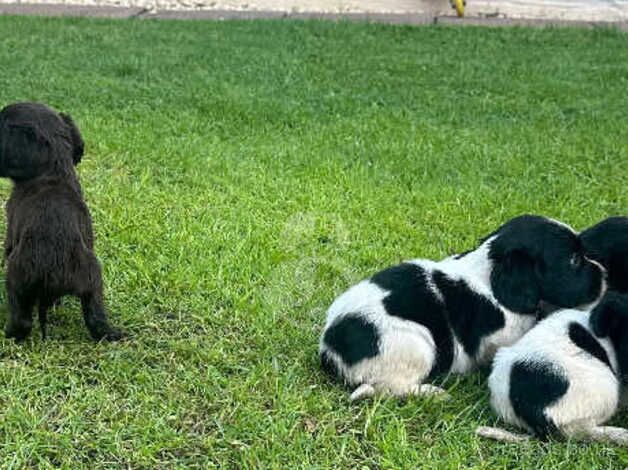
{"points": [[35, 140], [538, 259], [607, 243], [610, 319]]}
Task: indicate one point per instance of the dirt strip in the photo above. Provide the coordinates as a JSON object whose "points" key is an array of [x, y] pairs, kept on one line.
{"points": [[95, 11]]}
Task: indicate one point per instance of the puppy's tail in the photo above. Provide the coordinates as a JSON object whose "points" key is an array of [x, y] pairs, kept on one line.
{"points": [[498, 434]]}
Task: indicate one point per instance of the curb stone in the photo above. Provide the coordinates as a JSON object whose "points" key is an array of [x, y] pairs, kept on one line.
{"points": [[538, 23], [222, 15]]}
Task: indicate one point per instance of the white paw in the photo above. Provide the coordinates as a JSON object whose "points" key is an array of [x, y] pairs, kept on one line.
{"points": [[433, 391], [502, 435], [362, 392]]}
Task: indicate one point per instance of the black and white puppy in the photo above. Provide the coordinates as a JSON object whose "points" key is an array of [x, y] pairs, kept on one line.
{"points": [[422, 318], [563, 377], [607, 243]]}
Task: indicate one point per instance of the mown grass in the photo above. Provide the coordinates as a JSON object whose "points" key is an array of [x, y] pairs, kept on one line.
{"points": [[241, 175]]}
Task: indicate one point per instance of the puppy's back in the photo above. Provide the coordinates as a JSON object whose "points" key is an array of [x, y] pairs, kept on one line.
{"points": [[49, 232]]}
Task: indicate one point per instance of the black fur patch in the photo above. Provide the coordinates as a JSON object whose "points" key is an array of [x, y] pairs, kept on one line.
{"points": [[579, 336], [534, 387], [471, 316], [329, 366], [607, 243], [352, 338], [411, 298]]}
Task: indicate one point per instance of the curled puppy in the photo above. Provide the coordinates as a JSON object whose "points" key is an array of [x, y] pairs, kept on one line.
{"points": [[49, 242], [563, 377], [423, 318], [607, 243]]}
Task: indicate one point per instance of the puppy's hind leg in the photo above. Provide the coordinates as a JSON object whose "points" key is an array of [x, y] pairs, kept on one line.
{"points": [[96, 320], [93, 306], [408, 360], [20, 321], [612, 434], [428, 390], [502, 435], [425, 390], [362, 392], [44, 304]]}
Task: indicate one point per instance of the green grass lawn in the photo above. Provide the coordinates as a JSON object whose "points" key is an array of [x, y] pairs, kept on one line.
{"points": [[241, 175]]}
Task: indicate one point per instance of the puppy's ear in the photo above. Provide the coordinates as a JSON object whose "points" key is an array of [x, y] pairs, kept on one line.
{"points": [[515, 283], [78, 146], [608, 315]]}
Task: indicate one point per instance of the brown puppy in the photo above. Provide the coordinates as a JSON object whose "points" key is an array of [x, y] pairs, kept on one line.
{"points": [[49, 243]]}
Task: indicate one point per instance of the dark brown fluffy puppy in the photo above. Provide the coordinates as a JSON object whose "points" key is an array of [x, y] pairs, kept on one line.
{"points": [[49, 243]]}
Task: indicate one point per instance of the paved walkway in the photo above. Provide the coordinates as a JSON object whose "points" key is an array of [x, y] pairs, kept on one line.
{"points": [[478, 12]]}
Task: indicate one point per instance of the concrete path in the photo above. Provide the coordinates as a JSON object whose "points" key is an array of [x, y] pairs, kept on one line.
{"points": [[587, 13]]}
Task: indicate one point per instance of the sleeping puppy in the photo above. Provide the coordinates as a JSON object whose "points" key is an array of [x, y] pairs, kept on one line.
{"points": [[563, 377], [422, 318], [607, 243], [49, 242]]}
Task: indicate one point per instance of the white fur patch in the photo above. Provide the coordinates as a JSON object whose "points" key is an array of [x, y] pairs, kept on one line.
{"points": [[593, 393]]}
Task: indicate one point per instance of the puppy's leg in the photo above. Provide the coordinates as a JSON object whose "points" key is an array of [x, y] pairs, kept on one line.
{"points": [[362, 392], [502, 435], [96, 320], [93, 305], [20, 321], [44, 304], [425, 390], [431, 391], [611, 434]]}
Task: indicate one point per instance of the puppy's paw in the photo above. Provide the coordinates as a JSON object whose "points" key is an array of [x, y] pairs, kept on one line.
{"points": [[433, 391], [362, 392], [114, 334], [19, 334], [498, 434], [108, 333]]}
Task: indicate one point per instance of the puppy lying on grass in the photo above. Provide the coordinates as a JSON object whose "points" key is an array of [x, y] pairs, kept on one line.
{"points": [[49, 242], [422, 319], [563, 377]]}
